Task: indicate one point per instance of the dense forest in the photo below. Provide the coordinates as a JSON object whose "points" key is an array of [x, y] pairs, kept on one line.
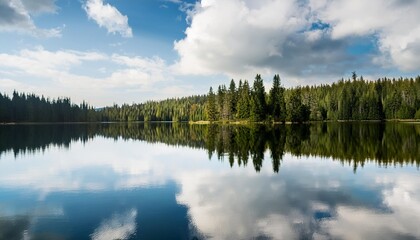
{"points": [[32, 108], [351, 99], [354, 144], [175, 109]]}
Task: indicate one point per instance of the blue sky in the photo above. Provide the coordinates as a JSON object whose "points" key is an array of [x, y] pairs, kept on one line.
{"points": [[124, 51]]}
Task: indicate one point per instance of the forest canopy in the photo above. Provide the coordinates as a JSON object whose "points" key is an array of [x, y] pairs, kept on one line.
{"points": [[351, 99]]}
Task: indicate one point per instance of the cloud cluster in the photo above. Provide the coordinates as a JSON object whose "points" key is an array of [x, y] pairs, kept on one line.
{"points": [[394, 23], [107, 16], [60, 73], [15, 15], [299, 38]]}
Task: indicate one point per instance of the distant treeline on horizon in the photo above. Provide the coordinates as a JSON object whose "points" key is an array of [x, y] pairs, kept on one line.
{"points": [[351, 99]]}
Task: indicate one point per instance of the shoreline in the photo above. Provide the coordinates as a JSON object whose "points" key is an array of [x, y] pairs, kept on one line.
{"points": [[244, 122]]}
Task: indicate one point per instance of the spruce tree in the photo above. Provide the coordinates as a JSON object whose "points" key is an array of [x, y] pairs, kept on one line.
{"points": [[276, 100], [296, 111], [211, 111], [242, 105], [258, 102], [233, 98]]}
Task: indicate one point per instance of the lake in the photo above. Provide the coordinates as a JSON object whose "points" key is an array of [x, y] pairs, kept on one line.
{"points": [[180, 181]]}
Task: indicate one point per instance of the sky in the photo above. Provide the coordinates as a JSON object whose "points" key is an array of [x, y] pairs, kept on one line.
{"points": [[128, 51]]}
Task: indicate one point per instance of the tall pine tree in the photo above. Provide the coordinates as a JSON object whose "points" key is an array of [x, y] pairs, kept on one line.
{"points": [[211, 111], [276, 100], [258, 102], [242, 105]]}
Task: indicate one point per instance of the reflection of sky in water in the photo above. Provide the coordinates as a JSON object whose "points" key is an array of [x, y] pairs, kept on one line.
{"points": [[132, 189]]}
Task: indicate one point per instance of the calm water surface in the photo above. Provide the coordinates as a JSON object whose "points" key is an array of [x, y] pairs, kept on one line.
{"points": [[175, 181]]}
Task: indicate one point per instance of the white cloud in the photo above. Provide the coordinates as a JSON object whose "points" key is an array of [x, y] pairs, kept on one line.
{"points": [[108, 16], [119, 226], [64, 73], [242, 37], [394, 23], [401, 195], [15, 15]]}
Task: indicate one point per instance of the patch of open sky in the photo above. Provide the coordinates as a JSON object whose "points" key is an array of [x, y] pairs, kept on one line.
{"points": [[363, 46], [319, 26], [154, 29]]}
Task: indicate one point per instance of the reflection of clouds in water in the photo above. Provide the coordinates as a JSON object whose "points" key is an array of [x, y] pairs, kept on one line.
{"points": [[309, 198], [242, 207], [276, 227], [301, 202], [401, 196], [98, 165], [119, 226]]}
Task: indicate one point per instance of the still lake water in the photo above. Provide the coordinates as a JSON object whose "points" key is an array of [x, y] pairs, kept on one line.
{"points": [[176, 181]]}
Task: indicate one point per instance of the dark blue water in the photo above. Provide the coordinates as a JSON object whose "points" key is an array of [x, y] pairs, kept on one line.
{"points": [[119, 187]]}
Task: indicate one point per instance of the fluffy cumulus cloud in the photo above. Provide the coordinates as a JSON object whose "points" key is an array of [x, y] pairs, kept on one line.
{"points": [[16, 15], [299, 38], [394, 23], [107, 16]]}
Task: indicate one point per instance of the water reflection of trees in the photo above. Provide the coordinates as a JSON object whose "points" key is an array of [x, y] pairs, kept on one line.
{"points": [[350, 143], [13, 228]]}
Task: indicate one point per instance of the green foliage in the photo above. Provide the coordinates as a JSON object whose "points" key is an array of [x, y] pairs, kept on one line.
{"points": [[32, 108], [258, 105], [174, 109], [417, 115], [243, 104], [296, 110], [211, 106], [277, 104], [351, 99]]}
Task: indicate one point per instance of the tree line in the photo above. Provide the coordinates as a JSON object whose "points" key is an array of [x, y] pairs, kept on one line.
{"points": [[173, 109], [351, 99], [31, 108]]}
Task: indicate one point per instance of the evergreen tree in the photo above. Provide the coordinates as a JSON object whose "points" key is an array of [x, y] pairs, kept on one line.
{"points": [[243, 105], [276, 100], [258, 103], [211, 111], [297, 112], [221, 94], [233, 99]]}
